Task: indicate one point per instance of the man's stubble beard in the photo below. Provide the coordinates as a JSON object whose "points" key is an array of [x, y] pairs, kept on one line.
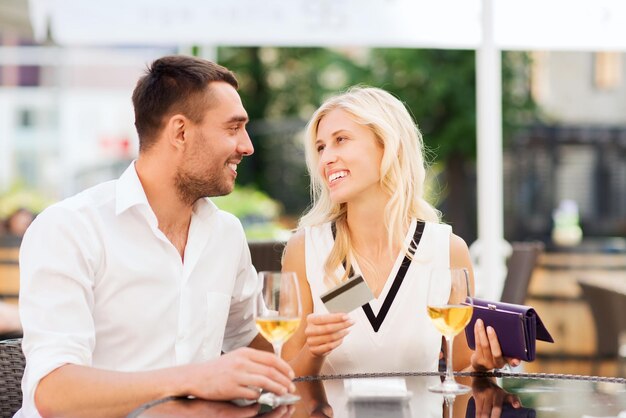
{"points": [[191, 187]]}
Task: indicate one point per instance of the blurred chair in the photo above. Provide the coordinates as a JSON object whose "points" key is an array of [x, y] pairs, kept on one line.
{"points": [[608, 308], [9, 279], [267, 255], [520, 267], [9, 245], [12, 364], [9, 268]]}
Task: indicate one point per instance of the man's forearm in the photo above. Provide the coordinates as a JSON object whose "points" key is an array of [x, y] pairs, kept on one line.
{"points": [[77, 391]]}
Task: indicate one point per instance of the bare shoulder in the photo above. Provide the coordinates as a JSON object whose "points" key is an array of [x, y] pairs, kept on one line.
{"points": [[294, 260], [295, 244], [293, 257], [459, 253], [457, 244]]}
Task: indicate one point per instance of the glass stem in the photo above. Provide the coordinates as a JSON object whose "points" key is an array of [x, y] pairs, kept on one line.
{"points": [[278, 349], [449, 368], [449, 404]]}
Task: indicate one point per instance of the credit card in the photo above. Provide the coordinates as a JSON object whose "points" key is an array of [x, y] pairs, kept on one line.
{"points": [[348, 296]]}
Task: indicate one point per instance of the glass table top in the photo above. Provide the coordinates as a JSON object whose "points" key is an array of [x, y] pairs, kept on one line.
{"points": [[406, 395]]}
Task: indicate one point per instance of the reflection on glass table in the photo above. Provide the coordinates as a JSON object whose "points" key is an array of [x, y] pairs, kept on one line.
{"points": [[406, 395]]}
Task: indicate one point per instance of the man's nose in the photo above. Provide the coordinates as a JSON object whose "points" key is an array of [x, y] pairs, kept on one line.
{"points": [[245, 145]]}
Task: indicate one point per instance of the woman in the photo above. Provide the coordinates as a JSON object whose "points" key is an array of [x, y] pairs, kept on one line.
{"points": [[366, 161]]}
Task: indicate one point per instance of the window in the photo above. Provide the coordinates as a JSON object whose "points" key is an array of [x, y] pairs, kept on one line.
{"points": [[607, 70]]}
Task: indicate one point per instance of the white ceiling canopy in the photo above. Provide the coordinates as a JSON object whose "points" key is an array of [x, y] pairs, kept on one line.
{"points": [[528, 24], [253, 22]]}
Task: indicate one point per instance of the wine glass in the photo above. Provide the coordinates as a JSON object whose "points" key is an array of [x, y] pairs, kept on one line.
{"points": [[277, 315], [449, 306]]}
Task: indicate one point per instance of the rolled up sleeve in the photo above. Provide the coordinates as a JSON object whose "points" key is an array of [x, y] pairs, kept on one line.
{"points": [[57, 269]]}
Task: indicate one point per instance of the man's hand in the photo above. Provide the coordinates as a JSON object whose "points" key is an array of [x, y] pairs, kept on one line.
{"points": [[283, 411], [202, 408], [240, 374]]}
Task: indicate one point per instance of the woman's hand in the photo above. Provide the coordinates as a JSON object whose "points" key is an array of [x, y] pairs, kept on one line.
{"points": [[489, 398], [325, 332], [488, 354]]}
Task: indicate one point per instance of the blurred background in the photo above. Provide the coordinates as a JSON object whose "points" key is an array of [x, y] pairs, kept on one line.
{"points": [[67, 70], [66, 119]]}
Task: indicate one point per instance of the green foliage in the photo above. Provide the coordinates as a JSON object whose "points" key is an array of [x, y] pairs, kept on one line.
{"points": [[434, 191], [438, 86], [256, 210], [248, 203], [276, 83], [518, 107], [18, 195]]}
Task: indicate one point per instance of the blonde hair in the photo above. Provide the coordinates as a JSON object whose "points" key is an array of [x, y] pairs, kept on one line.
{"points": [[402, 170]]}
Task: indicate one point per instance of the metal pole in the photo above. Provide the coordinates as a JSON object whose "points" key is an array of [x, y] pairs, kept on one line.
{"points": [[491, 269]]}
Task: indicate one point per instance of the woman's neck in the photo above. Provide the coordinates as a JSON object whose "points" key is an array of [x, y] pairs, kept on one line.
{"points": [[366, 223], [369, 240]]}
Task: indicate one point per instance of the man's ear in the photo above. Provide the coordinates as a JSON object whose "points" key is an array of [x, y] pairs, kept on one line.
{"points": [[176, 126]]}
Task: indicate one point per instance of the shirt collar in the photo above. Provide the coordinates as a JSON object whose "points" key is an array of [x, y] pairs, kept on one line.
{"points": [[129, 191], [204, 207]]}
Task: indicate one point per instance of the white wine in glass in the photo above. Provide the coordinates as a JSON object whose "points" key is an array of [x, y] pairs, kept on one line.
{"points": [[277, 329], [277, 315], [449, 306]]}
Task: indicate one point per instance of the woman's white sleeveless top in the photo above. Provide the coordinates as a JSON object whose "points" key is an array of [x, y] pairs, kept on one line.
{"points": [[406, 340]]}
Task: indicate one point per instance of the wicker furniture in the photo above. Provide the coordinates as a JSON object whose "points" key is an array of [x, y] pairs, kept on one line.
{"points": [[11, 370]]}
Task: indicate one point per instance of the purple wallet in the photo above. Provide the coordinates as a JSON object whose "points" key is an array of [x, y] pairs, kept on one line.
{"points": [[507, 411], [517, 327]]}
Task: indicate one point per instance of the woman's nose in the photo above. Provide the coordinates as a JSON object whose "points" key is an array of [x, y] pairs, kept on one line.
{"points": [[328, 156]]}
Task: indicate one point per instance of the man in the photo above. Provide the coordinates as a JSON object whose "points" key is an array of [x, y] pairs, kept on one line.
{"points": [[130, 290]]}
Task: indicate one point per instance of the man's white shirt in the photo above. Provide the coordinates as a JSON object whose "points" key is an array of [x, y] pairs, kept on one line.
{"points": [[102, 286]]}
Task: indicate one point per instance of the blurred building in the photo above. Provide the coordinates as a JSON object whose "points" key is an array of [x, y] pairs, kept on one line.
{"points": [[578, 153], [66, 117]]}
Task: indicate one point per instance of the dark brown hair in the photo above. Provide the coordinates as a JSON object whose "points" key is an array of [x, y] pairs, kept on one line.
{"points": [[174, 84]]}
